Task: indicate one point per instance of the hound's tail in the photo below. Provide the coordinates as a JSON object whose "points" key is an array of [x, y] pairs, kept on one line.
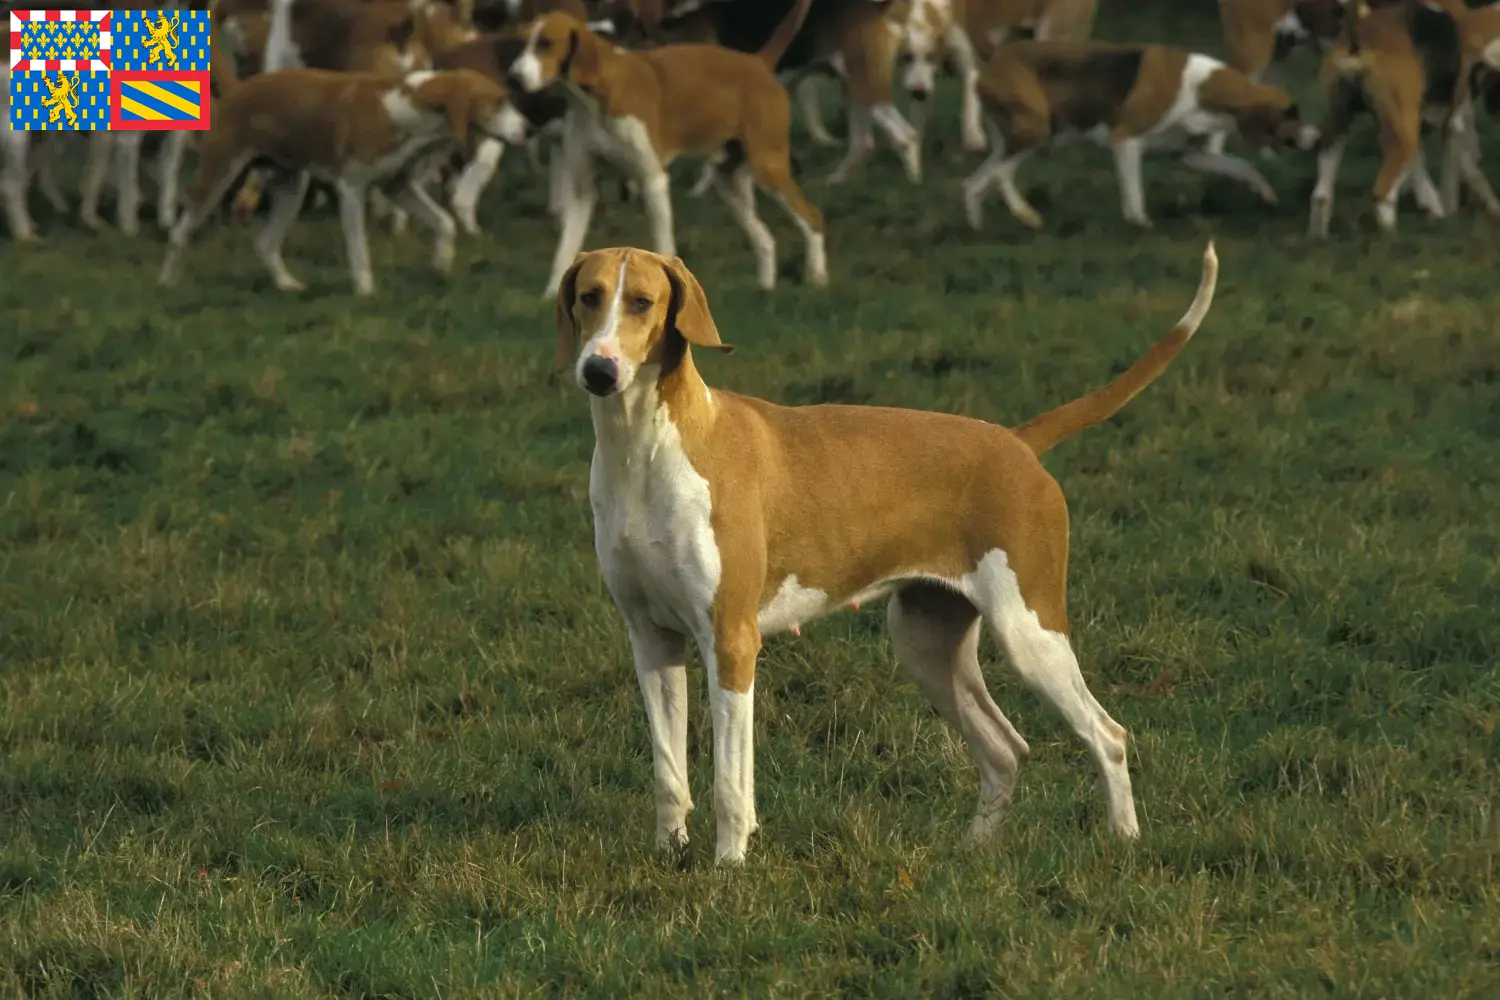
{"points": [[786, 32], [1056, 426], [222, 64]]}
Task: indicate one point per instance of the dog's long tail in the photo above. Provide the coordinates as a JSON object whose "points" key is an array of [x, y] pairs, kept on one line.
{"points": [[223, 56], [786, 32], [1056, 426]]}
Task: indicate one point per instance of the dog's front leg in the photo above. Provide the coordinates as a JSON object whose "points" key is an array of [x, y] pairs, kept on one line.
{"points": [[352, 216], [1209, 162], [577, 196], [660, 667], [128, 181], [169, 173], [95, 166], [476, 176], [730, 657], [967, 63], [14, 144], [428, 212], [656, 192], [812, 112], [1463, 153], [1128, 155]]}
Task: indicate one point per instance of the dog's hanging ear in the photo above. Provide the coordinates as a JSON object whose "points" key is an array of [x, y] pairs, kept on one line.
{"points": [[567, 331], [450, 94], [687, 313], [581, 64]]}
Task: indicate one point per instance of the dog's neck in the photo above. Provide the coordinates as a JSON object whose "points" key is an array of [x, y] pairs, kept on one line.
{"points": [[629, 423]]}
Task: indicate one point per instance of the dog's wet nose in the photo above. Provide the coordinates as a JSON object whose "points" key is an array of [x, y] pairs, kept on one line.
{"points": [[515, 83], [919, 94], [600, 375]]}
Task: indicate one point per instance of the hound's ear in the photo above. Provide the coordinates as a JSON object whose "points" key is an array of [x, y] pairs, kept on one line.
{"points": [[687, 313], [581, 65], [567, 332], [448, 93]]}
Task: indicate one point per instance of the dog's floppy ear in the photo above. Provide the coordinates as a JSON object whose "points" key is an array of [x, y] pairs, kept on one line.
{"points": [[567, 332], [581, 64], [687, 313], [451, 94]]}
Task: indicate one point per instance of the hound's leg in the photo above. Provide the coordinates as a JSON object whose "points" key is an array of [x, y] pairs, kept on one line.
{"points": [[1321, 214], [935, 635], [1208, 162], [738, 191], [428, 212], [46, 178], [967, 63], [287, 194], [1043, 657], [203, 198], [578, 195], [471, 184], [1423, 189], [95, 166], [169, 175], [730, 654], [1128, 154], [660, 667], [352, 199], [14, 145], [128, 181]]}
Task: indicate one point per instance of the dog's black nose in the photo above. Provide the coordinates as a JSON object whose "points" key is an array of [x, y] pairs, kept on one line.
{"points": [[513, 81], [919, 95], [600, 375]]}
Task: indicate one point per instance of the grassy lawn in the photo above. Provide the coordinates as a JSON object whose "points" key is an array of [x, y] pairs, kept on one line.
{"points": [[309, 685]]}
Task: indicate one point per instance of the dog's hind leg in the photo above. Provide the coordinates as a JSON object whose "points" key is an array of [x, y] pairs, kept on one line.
{"points": [[211, 182], [46, 179], [1423, 189], [935, 635], [774, 173], [806, 90], [287, 195], [1032, 629], [428, 212], [128, 181], [738, 191]]}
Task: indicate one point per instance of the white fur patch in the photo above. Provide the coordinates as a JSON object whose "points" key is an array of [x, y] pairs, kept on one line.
{"points": [[527, 69], [1186, 114], [605, 341]]}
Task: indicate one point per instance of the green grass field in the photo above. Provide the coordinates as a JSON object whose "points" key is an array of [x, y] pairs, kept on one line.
{"points": [[309, 685]]}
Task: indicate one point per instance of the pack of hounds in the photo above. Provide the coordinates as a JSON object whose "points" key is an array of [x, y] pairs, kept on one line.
{"points": [[382, 103], [720, 518]]}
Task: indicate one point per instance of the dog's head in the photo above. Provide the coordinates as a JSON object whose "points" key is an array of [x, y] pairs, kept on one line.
{"points": [[558, 47], [1273, 119], [630, 309], [921, 42], [468, 100]]}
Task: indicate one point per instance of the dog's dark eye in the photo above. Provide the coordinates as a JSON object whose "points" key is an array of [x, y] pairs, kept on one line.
{"points": [[641, 304], [590, 299], [543, 44]]}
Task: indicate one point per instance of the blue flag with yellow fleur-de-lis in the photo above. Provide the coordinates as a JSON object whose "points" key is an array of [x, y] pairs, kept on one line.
{"points": [[109, 69]]}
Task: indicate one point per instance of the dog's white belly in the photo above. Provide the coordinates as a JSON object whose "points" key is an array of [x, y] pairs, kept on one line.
{"points": [[794, 605], [654, 536]]}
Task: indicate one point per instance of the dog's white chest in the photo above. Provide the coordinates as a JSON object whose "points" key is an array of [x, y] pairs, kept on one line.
{"points": [[652, 527]]}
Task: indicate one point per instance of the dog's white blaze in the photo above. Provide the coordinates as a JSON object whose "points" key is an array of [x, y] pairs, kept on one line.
{"points": [[605, 341], [528, 67]]}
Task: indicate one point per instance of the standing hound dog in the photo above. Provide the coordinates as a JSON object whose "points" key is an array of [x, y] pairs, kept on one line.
{"points": [[1404, 63], [969, 31], [357, 131], [722, 518], [855, 40], [643, 109], [1131, 98]]}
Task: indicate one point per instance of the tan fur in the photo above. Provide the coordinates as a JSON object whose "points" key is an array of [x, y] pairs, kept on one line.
{"points": [[1025, 108], [989, 23], [1375, 57], [1250, 28], [692, 99], [845, 497]]}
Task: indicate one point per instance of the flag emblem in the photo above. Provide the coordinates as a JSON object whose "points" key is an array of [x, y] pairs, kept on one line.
{"points": [[159, 99], [103, 69]]}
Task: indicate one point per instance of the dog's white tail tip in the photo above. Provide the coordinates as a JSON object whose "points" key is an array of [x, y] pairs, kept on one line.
{"points": [[1205, 295]]}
